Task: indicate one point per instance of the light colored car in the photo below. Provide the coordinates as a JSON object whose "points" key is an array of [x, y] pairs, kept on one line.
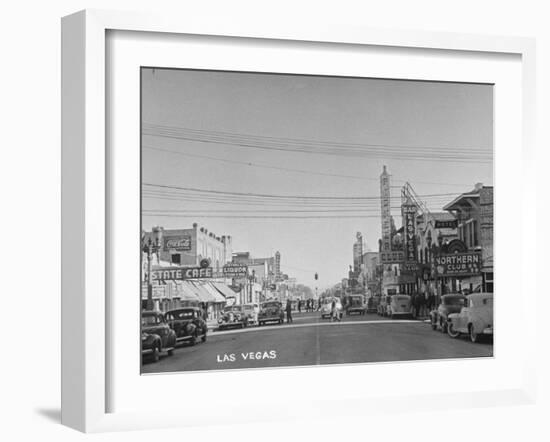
{"points": [[326, 308], [400, 305], [252, 311], [474, 319], [451, 303]]}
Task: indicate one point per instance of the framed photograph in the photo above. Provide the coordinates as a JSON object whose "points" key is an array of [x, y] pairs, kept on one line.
{"points": [[291, 221]]}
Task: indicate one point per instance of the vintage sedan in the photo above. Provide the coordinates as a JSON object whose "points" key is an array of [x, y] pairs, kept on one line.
{"points": [[233, 316], [400, 305], [188, 324], [451, 303], [271, 311], [156, 335], [372, 304], [252, 310], [474, 319], [355, 304], [326, 308]]}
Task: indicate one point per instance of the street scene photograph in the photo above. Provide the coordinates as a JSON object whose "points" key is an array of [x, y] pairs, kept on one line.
{"points": [[303, 220]]}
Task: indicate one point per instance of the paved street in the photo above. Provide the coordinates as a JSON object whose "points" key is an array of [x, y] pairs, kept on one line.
{"points": [[312, 341]]}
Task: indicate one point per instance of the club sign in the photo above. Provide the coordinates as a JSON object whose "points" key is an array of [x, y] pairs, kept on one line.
{"points": [[457, 264]]}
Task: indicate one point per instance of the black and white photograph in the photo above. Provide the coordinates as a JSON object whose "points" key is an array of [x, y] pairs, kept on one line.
{"points": [[303, 220]]}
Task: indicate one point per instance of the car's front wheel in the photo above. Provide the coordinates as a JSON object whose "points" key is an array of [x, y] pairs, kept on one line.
{"points": [[451, 331]]}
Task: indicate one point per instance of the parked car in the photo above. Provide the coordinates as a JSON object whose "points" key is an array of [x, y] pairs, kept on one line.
{"points": [[271, 311], [188, 324], [372, 304], [383, 305], [156, 336], [233, 316], [400, 305], [326, 308], [356, 304], [252, 310], [475, 317], [451, 303]]}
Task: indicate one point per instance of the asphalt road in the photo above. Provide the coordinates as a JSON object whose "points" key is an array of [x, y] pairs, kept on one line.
{"points": [[312, 341]]}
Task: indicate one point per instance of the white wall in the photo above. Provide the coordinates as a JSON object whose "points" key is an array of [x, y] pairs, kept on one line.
{"points": [[30, 182]]}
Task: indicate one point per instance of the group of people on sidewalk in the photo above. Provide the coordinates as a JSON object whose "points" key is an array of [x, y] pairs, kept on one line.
{"points": [[422, 304]]}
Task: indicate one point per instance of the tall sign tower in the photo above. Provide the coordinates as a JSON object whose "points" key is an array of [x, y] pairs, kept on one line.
{"points": [[386, 210]]}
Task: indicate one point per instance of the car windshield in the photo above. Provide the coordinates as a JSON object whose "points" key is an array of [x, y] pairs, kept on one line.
{"points": [[356, 301], [233, 308], [402, 298], [150, 320], [182, 314], [270, 305], [454, 300]]}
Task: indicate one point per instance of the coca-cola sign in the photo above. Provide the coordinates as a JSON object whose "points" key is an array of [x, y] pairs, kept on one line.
{"points": [[181, 243]]}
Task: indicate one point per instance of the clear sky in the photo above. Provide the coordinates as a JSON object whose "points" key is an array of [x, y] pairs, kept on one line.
{"points": [[294, 161]]}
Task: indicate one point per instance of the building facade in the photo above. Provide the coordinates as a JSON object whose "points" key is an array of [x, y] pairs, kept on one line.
{"points": [[187, 247]]}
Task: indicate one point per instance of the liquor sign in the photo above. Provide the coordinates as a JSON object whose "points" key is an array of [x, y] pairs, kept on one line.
{"points": [[181, 273], [392, 257], [181, 243], [233, 270], [409, 215], [458, 264]]}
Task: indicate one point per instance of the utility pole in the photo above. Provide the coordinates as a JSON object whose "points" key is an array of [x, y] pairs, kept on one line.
{"points": [[149, 248]]}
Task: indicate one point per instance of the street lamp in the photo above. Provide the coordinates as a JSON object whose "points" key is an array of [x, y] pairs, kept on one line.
{"points": [[150, 247]]}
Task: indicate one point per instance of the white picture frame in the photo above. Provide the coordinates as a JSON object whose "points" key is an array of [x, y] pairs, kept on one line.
{"points": [[86, 199]]}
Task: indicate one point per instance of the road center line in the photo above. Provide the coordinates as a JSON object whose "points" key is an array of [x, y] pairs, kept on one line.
{"points": [[313, 324]]}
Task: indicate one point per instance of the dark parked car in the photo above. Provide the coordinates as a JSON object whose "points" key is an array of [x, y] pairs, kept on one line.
{"points": [[372, 304], [271, 311], [451, 303], [233, 316], [188, 324], [156, 335], [356, 304]]}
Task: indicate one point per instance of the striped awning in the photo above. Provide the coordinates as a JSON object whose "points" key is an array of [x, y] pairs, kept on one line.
{"points": [[203, 294], [186, 291], [224, 290], [212, 290]]}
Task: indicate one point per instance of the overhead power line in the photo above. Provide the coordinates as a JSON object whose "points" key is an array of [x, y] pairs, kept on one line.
{"points": [[275, 196], [381, 150]]}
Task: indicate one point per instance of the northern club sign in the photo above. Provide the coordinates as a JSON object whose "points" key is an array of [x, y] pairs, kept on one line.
{"points": [[181, 273], [458, 264]]}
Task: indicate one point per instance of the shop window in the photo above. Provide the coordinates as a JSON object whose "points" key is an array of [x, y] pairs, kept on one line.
{"points": [[176, 258]]}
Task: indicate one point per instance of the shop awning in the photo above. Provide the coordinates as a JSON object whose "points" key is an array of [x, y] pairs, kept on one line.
{"points": [[203, 294], [212, 290], [224, 290], [185, 292]]}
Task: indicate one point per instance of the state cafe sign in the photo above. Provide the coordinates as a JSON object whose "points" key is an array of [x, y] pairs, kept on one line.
{"points": [[181, 273]]}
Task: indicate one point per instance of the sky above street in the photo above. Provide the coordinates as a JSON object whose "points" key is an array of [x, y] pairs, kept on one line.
{"points": [[292, 163]]}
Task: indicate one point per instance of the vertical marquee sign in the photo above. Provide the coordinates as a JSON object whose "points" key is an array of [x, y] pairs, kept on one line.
{"points": [[409, 229], [385, 210]]}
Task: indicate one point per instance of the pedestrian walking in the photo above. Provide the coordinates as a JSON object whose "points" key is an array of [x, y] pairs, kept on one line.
{"points": [[334, 316], [299, 306], [288, 311]]}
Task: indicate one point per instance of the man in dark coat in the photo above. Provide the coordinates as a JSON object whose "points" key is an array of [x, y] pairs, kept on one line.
{"points": [[288, 311]]}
